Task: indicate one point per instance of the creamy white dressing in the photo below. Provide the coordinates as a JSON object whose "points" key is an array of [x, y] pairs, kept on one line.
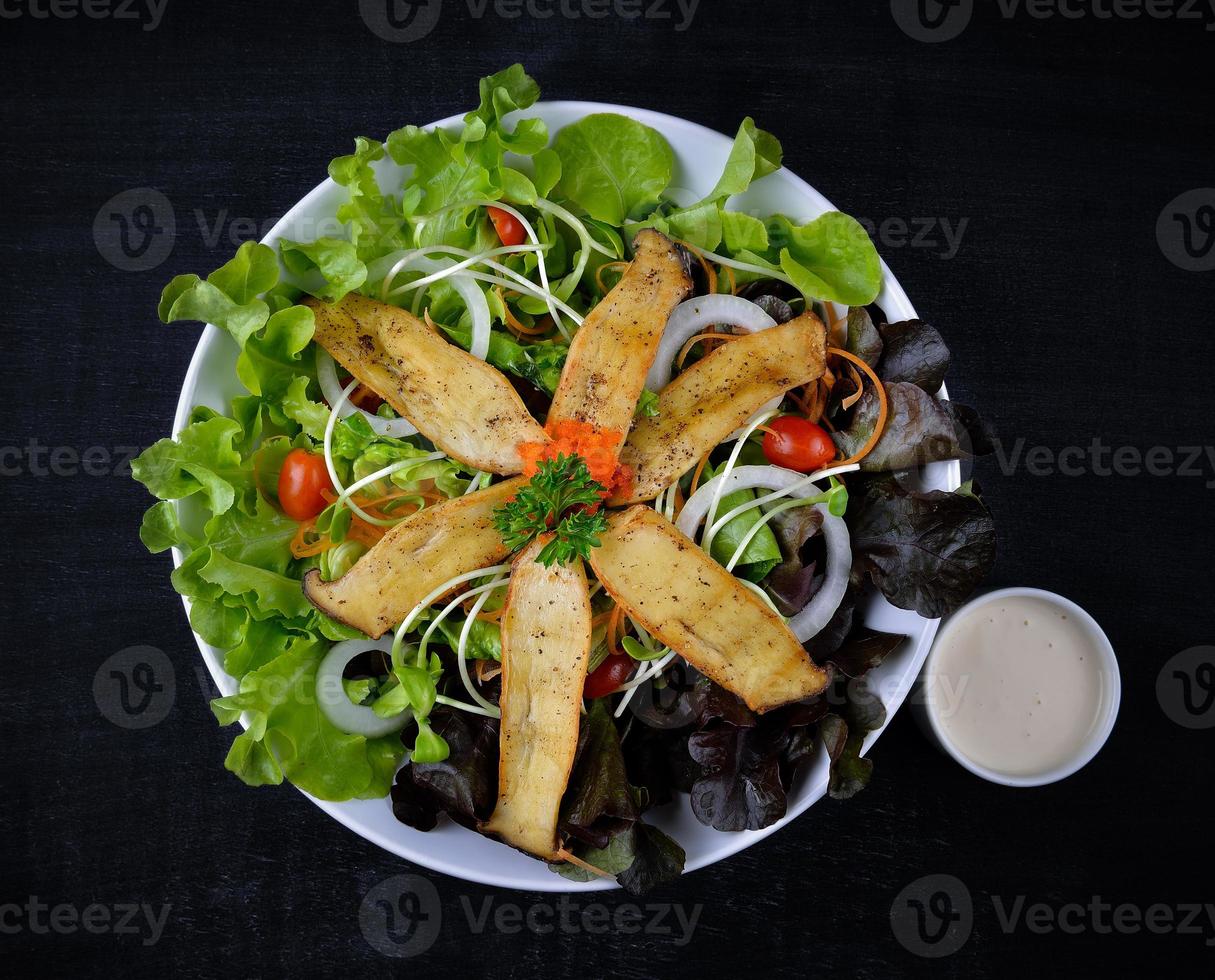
{"points": [[1017, 685]]}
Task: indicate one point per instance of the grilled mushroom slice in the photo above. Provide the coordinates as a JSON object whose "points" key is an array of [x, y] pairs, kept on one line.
{"points": [[611, 354], [546, 640], [702, 612], [413, 559], [460, 403], [716, 395]]}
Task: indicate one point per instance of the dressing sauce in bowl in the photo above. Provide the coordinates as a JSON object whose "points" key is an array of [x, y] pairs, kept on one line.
{"points": [[1022, 687]]}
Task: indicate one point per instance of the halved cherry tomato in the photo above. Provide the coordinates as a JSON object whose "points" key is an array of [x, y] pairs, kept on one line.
{"points": [[798, 444], [609, 675], [510, 231], [300, 485]]}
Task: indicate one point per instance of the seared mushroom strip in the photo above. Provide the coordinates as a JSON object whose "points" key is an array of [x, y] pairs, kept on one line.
{"points": [[702, 612], [463, 405], [546, 640]]}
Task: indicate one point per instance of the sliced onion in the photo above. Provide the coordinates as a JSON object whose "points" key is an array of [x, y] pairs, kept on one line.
{"points": [[326, 373], [811, 620], [356, 719], [461, 282], [690, 318]]}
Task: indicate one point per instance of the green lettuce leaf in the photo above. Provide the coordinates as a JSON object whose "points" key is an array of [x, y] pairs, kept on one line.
{"points": [[289, 736], [613, 167], [201, 460], [830, 258]]}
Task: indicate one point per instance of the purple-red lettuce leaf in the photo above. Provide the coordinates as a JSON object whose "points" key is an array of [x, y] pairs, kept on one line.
{"points": [[925, 551]]}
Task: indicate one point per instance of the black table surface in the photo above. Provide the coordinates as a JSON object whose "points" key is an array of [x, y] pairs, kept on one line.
{"points": [[1025, 182]]}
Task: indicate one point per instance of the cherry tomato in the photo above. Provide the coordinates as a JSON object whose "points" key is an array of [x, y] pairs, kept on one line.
{"points": [[798, 444], [510, 231], [609, 675], [300, 483]]}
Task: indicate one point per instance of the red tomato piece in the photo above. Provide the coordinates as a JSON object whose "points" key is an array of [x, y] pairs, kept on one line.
{"points": [[301, 483], [510, 230], [609, 675], [798, 444]]}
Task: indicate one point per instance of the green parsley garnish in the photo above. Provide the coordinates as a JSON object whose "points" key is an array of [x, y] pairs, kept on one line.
{"points": [[555, 501]]}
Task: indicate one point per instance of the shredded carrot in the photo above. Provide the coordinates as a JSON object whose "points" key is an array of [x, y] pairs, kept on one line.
{"points": [[679, 498], [767, 430], [301, 547], [614, 631], [517, 326], [603, 288], [700, 468], [570, 437], [603, 615], [883, 405], [733, 279], [693, 341], [860, 388]]}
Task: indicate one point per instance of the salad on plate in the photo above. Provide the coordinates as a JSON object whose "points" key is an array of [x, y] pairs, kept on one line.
{"points": [[551, 497]]}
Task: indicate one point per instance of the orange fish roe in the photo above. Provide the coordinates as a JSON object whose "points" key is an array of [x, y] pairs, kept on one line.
{"points": [[572, 438]]}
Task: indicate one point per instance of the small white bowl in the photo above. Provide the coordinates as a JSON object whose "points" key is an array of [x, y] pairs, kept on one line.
{"points": [[926, 711]]}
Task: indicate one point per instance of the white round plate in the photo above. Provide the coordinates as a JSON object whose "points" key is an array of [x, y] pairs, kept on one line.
{"points": [[700, 155]]}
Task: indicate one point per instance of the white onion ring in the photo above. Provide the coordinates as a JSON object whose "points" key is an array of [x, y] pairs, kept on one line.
{"points": [[326, 374], [692, 316], [814, 618], [355, 719], [463, 284]]}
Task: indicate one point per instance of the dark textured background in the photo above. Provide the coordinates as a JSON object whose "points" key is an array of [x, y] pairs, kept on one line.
{"points": [[1058, 142]]}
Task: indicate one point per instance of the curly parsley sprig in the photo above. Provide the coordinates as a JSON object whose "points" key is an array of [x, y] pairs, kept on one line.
{"points": [[555, 501]]}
